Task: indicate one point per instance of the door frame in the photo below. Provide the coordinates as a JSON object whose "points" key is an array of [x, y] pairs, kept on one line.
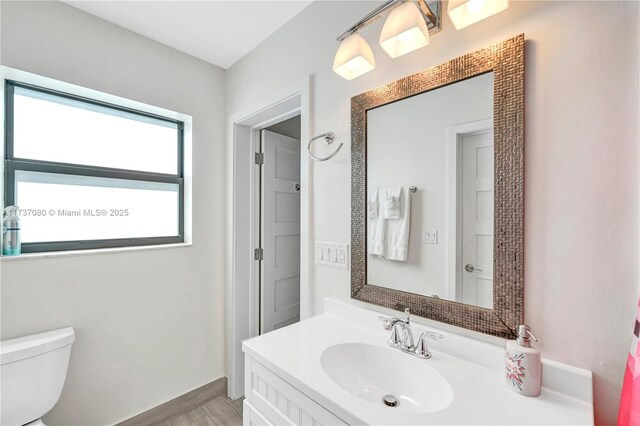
{"points": [[243, 186], [454, 238]]}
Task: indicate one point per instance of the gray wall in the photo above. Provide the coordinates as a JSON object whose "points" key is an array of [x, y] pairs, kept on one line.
{"points": [[149, 324], [581, 158]]}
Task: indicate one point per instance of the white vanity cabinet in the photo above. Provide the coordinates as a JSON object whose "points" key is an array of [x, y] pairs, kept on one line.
{"points": [[331, 369], [270, 400]]}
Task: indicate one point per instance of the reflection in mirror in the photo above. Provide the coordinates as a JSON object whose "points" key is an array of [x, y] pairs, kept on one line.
{"points": [[438, 240]]}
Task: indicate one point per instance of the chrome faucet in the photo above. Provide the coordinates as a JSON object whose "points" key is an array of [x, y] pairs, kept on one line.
{"points": [[402, 336]]}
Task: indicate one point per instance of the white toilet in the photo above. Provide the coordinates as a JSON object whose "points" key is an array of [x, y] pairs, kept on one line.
{"points": [[32, 371]]}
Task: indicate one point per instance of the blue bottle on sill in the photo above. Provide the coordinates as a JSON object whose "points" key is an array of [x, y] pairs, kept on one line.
{"points": [[11, 245]]}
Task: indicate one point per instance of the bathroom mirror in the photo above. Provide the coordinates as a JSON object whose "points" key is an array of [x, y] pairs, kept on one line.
{"points": [[437, 195], [430, 193]]}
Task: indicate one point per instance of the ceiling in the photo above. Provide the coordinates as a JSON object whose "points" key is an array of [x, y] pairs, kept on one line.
{"points": [[219, 32]]}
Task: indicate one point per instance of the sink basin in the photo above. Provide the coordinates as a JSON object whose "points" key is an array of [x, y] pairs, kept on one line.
{"points": [[372, 372]]}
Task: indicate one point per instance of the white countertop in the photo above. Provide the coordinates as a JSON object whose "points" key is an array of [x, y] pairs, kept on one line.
{"points": [[480, 395]]}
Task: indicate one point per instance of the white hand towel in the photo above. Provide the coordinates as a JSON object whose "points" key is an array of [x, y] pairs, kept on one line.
{"points": [[396, 246], [372, 204], [375, 225], [392, 203]]}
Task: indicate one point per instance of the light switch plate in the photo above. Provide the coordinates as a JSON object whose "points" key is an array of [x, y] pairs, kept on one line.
{"points": [[335, 255], [430, 236]]}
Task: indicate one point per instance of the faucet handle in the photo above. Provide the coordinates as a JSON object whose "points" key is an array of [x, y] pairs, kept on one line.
{"points": [[433, 335], [408, 314], [388, 323]]}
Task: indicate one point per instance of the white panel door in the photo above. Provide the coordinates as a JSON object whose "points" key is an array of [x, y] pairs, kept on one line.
{"points": [[476, 266], [280, 286]]}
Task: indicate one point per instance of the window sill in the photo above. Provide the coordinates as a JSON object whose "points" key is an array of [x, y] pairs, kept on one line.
{"points": [[89, 252]]}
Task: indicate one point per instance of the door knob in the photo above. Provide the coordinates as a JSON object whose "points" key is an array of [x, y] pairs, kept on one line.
{"points": [[470, 268]]}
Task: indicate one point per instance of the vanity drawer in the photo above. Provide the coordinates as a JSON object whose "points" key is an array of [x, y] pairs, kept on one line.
{"points": [[279, 403]]}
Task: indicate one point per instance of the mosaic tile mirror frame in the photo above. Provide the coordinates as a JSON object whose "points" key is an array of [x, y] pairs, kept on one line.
{"points": [[506, 61]]}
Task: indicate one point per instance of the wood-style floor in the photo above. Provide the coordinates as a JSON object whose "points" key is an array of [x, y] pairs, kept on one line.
{"points": [[219, 411]]}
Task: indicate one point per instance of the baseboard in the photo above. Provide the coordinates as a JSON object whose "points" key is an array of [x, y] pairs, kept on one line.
{"points": [[179, 405]]}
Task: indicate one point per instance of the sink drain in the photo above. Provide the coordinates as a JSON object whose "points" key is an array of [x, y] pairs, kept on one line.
{"points": [[390, 401]]}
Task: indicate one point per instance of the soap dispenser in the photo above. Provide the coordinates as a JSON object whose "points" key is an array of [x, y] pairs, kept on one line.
{"points": [[523, 364], [11, 231]]}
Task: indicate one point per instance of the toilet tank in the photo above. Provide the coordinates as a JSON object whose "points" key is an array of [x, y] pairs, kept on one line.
{"points": [[32, 373]]}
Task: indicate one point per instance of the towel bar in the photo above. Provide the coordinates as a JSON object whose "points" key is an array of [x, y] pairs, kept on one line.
{"points": [[328, 139]]}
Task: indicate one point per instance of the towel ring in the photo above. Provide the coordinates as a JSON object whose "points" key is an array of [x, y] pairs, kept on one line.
{"points": [[328, 139]]}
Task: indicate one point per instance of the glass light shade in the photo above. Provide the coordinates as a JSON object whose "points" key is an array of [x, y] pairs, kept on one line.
{"points": [[354, 57], [466, 12], [404, 31]]}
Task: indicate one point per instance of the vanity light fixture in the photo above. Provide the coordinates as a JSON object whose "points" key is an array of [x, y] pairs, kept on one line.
{"points": [[354, 57], [466, 12], [406, 29]]}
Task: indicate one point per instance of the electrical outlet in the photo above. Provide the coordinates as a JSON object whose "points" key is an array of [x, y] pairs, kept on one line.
{"points": [[342, 256], [430, 237]]}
